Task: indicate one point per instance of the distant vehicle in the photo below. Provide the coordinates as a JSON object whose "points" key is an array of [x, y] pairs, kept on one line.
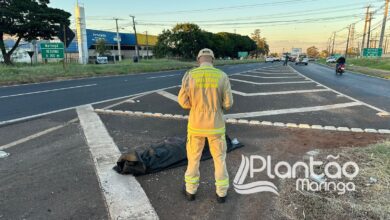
{"points": [[269, 59], [277, 59], [312, 59], [304, 61], [331, 60]]}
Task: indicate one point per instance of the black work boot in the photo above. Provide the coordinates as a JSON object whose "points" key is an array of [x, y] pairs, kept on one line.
{"points": [[189, 196], [221, 199]]}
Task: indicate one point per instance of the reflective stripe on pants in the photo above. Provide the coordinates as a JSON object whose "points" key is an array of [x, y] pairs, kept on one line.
{"points": [[195, 145]]}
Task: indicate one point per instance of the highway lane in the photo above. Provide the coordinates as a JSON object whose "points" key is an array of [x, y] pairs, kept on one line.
{"points": [[33, 99], [374, 91]]}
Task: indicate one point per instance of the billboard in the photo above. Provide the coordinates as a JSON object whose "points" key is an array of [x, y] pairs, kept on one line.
{"points": [[296, 51], [110, 37]]}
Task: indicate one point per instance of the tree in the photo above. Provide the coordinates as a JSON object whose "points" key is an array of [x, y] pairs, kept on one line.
{"points": [[185, 40], [262, 46], [312, 52], [28, 20], [324, 54], [101, 47], [274, 55]]}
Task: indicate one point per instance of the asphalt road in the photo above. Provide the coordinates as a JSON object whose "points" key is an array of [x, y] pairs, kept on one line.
{"points": [[277, 94], [28, 100], [374, 91]]}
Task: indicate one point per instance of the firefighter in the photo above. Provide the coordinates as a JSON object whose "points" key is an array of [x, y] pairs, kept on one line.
{"points": [[206, 92]]}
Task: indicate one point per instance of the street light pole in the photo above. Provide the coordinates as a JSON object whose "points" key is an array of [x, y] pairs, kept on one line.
{"points": [[118, 40]]}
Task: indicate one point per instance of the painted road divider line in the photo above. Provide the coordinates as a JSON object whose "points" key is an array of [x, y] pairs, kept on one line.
{"points": [[279, 93], [36, 135], [272, 77], [136, 96], [168, 95], [271, 83], [292, 110], [46, 91], [124, 196], [272, 73], [156, 77]]}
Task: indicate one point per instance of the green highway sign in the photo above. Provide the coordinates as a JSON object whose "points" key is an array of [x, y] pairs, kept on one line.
{"points": [[52, 50], [372, 52], [243, 54]]}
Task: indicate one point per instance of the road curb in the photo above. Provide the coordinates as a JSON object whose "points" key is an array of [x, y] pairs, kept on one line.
{"points": [[250, 122]]}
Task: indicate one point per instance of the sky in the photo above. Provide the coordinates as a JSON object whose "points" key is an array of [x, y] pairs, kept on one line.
{"points": [[284, 23]]}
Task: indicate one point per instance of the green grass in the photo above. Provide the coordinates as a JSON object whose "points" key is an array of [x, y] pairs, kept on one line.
{"points": [[23, 73], [379, 67]]}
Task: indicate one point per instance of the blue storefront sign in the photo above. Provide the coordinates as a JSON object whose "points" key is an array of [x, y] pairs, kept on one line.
{"points": [[110, 37]]}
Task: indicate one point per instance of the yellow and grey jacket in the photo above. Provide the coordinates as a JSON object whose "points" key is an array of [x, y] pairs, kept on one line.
{"points": [[206, 92]]}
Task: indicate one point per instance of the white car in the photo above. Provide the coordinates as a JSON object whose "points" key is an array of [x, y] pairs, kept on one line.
{"points": [[304, 61], [269, 59], [331, 60]]}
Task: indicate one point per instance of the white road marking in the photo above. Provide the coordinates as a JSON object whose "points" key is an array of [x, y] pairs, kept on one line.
{"points": [[280, 92], [156, 77], [49, 90], [272, 77], [39, 134], [168, 95], [271, 83], [292, 110], [124, 196], [356, 100], [272, 73], [73, 107]]}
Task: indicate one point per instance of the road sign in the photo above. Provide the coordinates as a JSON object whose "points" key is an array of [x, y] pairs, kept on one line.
{"points": [[243, 54], [372, 52], [52, 50]]}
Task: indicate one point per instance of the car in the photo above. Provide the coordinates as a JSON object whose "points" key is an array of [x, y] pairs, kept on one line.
{"points": [[277, 59], [269, 59], [304, 61], [312, 59], [331, 60]]}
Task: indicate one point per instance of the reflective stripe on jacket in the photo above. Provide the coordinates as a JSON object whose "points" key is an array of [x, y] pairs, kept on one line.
{"points": [[206, 92]]}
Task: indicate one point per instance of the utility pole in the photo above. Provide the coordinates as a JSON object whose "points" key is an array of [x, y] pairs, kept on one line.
{"points": [[369, 30], [147, 46], [334, 39], [136, 40], [118, 39], [384, 24], [352, 37], [365, 28], [349, 34]]}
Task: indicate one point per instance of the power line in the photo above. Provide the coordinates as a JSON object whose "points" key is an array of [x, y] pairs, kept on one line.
{"points": [[225, 8], [289, 15]]}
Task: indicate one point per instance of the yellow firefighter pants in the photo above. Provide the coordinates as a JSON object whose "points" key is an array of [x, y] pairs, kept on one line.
{"points": [[195, 145]]}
